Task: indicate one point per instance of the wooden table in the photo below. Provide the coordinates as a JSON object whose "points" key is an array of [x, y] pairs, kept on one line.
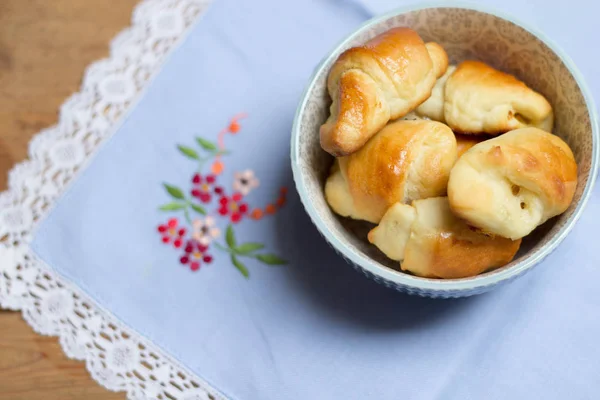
{"points": [[45, 46]]}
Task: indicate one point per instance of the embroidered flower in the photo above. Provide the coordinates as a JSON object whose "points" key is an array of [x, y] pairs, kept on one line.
{"points": [[172, 233], [195, 254], [204, 187], [233, 206], [244, 182], [205, 231]]}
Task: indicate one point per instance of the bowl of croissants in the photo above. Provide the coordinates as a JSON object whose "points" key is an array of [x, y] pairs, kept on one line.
{"points": [[445, 150]]}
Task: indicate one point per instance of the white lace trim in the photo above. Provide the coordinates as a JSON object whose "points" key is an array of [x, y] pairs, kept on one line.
{"points": [[118, 358]]}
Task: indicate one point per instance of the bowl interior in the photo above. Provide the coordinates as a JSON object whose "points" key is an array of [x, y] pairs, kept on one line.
{"points": [[465, 34]]}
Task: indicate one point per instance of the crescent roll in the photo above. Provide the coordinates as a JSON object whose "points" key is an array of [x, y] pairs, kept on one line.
{"points": [[433, 107], [430, 241], [511, 184], [480, 99], [382, 80], [406, 160]]}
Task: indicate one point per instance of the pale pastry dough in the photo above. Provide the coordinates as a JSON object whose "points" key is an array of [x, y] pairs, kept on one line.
{"points": [[433, 107], [480, 99], [511, 184], [429, 241]]}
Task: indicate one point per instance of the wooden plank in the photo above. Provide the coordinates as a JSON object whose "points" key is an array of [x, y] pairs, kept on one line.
{"points": [[34, 367], [45, 47]]}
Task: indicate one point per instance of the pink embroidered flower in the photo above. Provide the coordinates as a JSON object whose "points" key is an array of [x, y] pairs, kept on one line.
{"points": [[195, 254], [204, 187], [205, 230], [233, 206], [172, 233], [244, 182]]}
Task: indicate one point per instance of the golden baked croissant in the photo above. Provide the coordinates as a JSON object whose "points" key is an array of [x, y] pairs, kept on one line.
{"points": [[431, 242], [510, 184], [406, 160], [379, 81], [480, 99]]}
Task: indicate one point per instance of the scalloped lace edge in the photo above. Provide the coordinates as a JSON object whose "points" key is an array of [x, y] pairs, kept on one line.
{"points": [[117, 358]]}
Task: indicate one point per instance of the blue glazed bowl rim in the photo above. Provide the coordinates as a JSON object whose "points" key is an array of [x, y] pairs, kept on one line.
{"points": [[438, 285]]}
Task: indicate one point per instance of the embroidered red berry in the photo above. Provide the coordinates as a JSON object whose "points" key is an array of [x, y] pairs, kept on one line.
{"points": [[217, 167], [197, 178], [166, 239], [184, 259], [195, 266], [256, 214], [177, 243], [234, 127], [162, 228], [210, 178]]}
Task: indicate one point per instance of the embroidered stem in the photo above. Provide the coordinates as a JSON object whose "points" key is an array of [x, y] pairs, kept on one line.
{"points": [[201, 164], [222, 248], [233, 128]]}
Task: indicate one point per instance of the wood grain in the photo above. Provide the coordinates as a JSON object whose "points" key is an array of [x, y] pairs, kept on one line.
{"points": [[45, 46], [33, 367]]}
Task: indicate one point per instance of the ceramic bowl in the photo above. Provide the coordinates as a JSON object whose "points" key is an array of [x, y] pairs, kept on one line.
{"points": [[466, 32]]}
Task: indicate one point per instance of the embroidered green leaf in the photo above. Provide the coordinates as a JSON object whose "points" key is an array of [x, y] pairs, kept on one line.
{"points": [[206, 144], [230, 237], [174, 206], [270, 259], [198, 209], [189, 152], [174, 191], [248, 248], [240, 267]]}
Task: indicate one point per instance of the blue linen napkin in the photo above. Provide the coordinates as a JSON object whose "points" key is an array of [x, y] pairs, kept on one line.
{"points": [[216, 122]]}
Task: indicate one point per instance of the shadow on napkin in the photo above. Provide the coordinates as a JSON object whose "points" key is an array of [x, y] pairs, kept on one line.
{"points": [[335, 288]]}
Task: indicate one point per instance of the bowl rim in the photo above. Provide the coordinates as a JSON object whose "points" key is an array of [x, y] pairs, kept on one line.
{"points": [[401, 278]]}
